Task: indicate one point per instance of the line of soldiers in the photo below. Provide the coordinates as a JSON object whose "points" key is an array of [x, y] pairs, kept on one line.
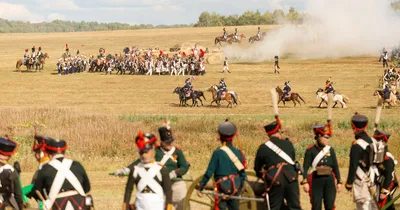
{"points": [[34, 56]]}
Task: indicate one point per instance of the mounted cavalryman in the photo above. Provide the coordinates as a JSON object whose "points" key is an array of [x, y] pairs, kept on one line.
{"points": [[26, 57], [10, 188], [275, 164], [151, 179], [65, 181]]}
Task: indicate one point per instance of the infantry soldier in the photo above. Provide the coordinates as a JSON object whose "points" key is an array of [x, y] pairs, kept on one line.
{"points": [[275, 164], [387, 182], [65, 180], [10, 189], [276, 65], [228, 166], [67, 53], [151, 179], [225, 66], [360, 165], [321, 159]]}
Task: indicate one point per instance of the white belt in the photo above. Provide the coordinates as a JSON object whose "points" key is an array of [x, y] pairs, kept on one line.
{"points": [[67, 194]]}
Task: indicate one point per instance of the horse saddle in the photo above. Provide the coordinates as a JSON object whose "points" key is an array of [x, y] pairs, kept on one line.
{"points": [[188, 93], [287, 95], [223, 94]]}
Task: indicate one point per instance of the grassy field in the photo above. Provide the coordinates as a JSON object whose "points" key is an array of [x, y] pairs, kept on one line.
{"points": [[100, 115]]}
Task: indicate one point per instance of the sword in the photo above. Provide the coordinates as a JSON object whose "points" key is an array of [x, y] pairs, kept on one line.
{"points": [[267, 200], [232, 196]]}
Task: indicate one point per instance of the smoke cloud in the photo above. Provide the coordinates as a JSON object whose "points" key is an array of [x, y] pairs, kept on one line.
{"points": [[338, 28]]}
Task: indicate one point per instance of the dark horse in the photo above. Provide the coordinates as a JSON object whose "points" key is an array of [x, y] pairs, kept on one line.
{"points": [[255, 38], [194, 95], [292, 97]]}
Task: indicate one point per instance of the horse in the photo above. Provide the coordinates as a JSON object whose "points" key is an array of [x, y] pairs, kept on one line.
{"points": [[28, 64], [391, 101], [238, 40], [292, 97], [230, 98], [194, 95], [342, 99], [255, 38], [220, 39], [41, 61]]}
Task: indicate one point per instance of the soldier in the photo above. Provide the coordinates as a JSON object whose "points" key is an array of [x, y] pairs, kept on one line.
{"points": [[39, 53], [151, 179], [275, 164], [329, 86], [286, 90], [26, 56], [360, 165], [225, 34], [321, 159], [384, 58], [65, 180], [387, 181], [225, 67], [276, 65], [67, 53], [236, 34], [228, 166], [259, 33], [10, 188], [221, 88]]}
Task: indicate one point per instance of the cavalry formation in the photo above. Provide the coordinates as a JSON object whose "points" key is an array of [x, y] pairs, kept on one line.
{"points": [[34, 60], [235, 37]]}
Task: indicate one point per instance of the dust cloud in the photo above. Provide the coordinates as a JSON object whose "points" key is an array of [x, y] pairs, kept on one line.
{"points": [[335, 29]]}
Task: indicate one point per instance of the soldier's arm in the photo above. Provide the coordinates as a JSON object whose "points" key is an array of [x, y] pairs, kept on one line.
{"points": [[39, 184], [167, 187], [306, 164], [17, 190], [335, 166], [183, 165], [212, 166], [388, 173], [355, 154], [86, 182], [242, 173], [128, 189], [259, 162]]}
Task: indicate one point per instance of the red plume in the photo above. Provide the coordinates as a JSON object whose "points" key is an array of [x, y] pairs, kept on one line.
{"points": [[201, 53], [66, 45]]}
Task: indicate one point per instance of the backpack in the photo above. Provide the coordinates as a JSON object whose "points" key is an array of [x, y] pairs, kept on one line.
{"points": [[377, 152]]}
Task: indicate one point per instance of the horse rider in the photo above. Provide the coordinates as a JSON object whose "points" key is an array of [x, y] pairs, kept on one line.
{"points": [[26, 56], [358, 177], [39, 53], [188, 84], [329, 86], [386, 91], [224, 35], [10, 188], [384, 58], [151, 178], [221, 88], [236, 34], [227, 166], [259, 33], [387, 180], [275, 164], [286, 90], [321, 159], [33, 55], [65, 181]]}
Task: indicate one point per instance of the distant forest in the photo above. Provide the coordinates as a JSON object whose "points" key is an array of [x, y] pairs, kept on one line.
{"points": [[206, 19]]}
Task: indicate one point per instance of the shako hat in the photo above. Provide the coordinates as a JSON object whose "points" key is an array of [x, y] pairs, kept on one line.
{"points": [[40, 142], [381, 135], [359, 122], [322, 130], [145, 142], [165, 133], [227, 130], [40, 48], [273, 127], [57, 145], [7, 146]]}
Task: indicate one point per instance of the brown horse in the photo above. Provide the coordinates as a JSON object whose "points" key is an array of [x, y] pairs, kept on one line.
{"points": [[255, 38], [28, 64], [292, 97], [220, 39], [391, 101], [238, 40], [227, 96], [41, 61]]}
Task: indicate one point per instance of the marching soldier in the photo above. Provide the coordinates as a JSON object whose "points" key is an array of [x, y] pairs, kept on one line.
{"points": [[360, 165], [10, 189], [65, 181], [225, 66], [228, 166], [275, 164], [388, 181], [276, 65], [151, 179], [321, 159]]}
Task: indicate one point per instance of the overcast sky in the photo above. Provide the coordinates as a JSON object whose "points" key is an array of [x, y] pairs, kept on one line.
{"points": [[134, 11]]}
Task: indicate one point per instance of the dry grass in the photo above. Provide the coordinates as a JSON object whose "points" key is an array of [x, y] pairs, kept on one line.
{"points": [[100, 115]]}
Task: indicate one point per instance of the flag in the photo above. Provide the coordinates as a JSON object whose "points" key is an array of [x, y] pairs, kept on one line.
{"points": [[201, 53], [184, 54], [161, 52]]}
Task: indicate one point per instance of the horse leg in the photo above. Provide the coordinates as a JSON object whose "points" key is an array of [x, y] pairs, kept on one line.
{"points": [[336, 104], [294, 102]]}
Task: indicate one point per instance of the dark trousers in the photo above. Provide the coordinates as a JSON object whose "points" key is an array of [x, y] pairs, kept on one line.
{"points": [[287, 191], [385, 63], [77, 201], [229, 204], [322, 188]]}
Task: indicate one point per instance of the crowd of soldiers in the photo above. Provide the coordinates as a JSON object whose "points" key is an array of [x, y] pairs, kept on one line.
{"points": [[34, 58], [390, 77]]}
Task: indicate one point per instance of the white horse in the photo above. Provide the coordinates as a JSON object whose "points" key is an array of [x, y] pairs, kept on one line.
{"points": [[342, 99]]}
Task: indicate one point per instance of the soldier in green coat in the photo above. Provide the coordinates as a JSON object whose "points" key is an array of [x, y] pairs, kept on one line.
{"points": [[275, 165], [320, 159], [228, 166]]}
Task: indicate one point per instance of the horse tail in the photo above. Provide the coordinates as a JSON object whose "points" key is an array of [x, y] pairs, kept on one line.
{"points": [[345, 99], [301, 98], [234, 99], [216, 41], [202, 94]]}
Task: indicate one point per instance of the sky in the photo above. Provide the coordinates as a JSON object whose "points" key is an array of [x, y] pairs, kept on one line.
{"points": [[154, 12]]}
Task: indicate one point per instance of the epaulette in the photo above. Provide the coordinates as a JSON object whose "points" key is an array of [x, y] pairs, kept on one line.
{"points": [[354, 142], [387, 157], [177, 147], [310, 146]]}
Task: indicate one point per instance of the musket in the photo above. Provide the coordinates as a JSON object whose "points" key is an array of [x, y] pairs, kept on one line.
{"points": [[232, 196], [173, 179]]}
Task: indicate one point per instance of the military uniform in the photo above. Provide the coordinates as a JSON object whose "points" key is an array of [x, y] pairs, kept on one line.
{"points": [[151, 179], [321, 161], [329, 86], [286, 90], [228, 166], [26, 57], [65, 180], [274, 164], [387, 182], [222, 87], [360, 165], [225, 67], [10, 188], [276, 65]]}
